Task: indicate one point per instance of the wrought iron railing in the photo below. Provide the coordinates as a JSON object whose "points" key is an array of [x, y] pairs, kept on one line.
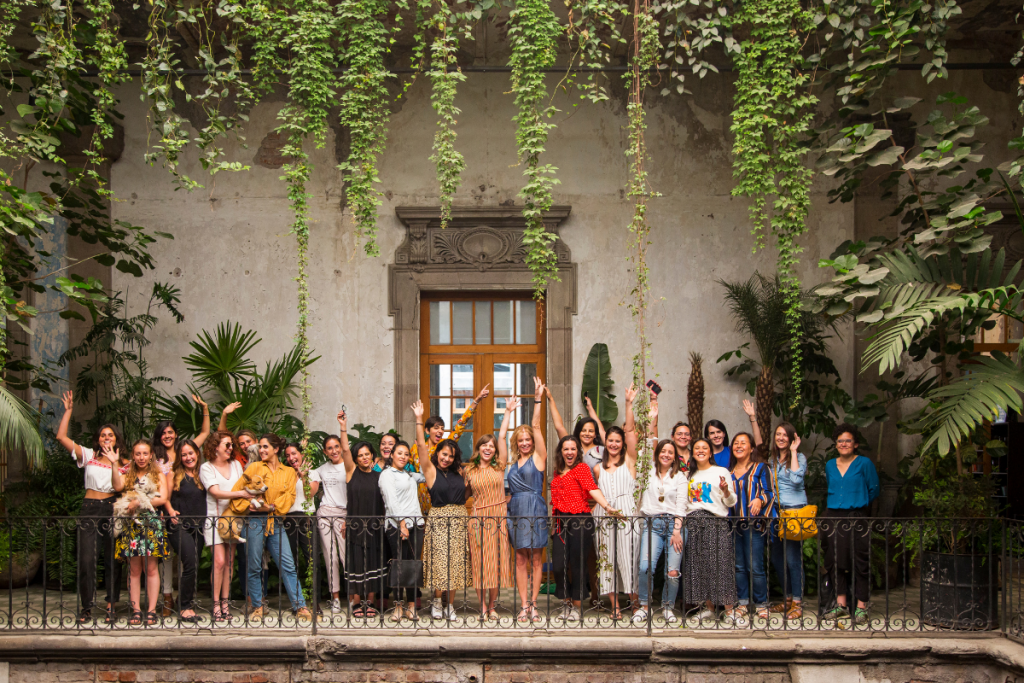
{"points": [[909, 574]]}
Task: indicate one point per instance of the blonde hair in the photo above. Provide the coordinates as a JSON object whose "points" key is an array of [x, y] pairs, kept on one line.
{"points": [[516, 433], [134, 472]]}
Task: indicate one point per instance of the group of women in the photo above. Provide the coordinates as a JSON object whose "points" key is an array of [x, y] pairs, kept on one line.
{"points": [[426, 517]]}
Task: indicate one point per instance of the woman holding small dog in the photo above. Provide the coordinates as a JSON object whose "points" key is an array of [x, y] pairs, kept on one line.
{"points": [[218, 476], [264, 527], [140, 540]]}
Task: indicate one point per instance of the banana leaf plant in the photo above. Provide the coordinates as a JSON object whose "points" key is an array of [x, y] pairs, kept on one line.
{"points": [[597, 384]]}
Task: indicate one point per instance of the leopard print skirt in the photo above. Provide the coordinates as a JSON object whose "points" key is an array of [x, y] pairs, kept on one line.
{"points": [[445, 548]]}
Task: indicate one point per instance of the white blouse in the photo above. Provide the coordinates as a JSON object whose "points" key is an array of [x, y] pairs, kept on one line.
{"points": [[97, 471], [401, 496], [664, 495]]}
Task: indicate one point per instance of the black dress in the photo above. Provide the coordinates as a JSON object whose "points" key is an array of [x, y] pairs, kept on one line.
{"points": [[364, 567], [185, 532]]}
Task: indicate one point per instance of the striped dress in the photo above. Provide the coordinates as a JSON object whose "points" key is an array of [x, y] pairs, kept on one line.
{"points": [[490, 552], [618, 541]]}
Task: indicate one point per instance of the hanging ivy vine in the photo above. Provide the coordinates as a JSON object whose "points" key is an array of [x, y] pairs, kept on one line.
{"points": [[533, 32], [645, 56], [771, 121]]}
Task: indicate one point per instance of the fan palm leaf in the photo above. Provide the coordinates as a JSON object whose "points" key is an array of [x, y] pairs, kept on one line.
{"points": [[759, 308], [222, 357], [19, 428]]}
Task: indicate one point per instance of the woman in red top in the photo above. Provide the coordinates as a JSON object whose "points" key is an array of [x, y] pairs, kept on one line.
{"points": [[571, 490]]}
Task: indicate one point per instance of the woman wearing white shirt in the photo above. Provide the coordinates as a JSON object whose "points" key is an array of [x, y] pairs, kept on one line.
{"points": [[97, 510], [710, 560], [663, 507], [218, 475], [331, 479], [403, 520]]}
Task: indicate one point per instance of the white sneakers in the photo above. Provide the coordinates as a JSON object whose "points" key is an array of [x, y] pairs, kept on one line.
{"points": [[670, 616], [437, 612], [336, 606], [640, 616]]}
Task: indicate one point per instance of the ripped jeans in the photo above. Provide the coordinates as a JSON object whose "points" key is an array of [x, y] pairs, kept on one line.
{"points": [[655, 538]]}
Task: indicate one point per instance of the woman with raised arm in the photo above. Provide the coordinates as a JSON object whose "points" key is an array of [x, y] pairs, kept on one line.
{"points": [[589, 431], [141, 541], [434, 428], [444, 543], [332, 479], [403, 524], [710, 566], [186, 510], [97, 510], [527, 511], [788, 466], [165, 451], [489, 550], [218, 476], [618, 540], [364, 565]]}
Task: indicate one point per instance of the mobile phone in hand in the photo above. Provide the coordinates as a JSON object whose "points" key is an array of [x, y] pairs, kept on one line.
{"points": [[654, 386]]}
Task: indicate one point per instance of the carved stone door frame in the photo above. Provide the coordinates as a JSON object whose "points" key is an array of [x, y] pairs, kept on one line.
{"points": [[481, 250]]}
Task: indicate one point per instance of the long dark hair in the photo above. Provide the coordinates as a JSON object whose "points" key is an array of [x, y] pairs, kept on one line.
{"points": [[157, 445], [606, 458], [179, 467], [579, 428], [717, 424], [560, 466], [278, 444], [692, 469], [778, 457], [674, 470], [456, 455], [754, 453], [358, 446]]}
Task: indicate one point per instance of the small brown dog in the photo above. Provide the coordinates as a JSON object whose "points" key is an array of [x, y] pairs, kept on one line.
{"points": [[230, 525]]}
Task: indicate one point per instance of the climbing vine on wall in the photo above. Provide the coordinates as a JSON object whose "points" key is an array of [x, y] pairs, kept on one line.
{"points": [[533, 32], [771, 121], [645, 55]]}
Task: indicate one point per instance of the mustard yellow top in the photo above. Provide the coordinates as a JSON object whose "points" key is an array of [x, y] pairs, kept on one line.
{"points": [[280, 488]]}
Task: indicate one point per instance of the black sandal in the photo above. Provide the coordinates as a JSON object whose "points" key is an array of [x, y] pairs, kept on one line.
{"points": [[85, 616], [152, 619], [136, 618]]}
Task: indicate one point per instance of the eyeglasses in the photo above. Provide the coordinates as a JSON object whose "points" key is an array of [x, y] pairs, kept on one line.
{"points": [[845, 442]]}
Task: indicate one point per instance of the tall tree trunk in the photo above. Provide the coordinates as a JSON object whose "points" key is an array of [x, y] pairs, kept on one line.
{"points": [[764, 398]]}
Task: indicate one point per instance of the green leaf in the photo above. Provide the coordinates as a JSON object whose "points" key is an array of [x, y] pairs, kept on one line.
{"points": [[597, 383]]}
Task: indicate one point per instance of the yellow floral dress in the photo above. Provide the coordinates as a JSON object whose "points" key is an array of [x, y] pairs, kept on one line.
{"points": [[457, 429]]}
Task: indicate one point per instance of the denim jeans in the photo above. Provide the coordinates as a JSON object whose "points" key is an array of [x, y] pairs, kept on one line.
{"points": [[749, 545], [655, 538], [787, 560], [279, 548]]}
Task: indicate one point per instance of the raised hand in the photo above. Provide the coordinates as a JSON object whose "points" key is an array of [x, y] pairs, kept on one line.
{"points": [[590, 406], [113, 455], [484, 393], [538, 389], [631, 393], [417, 410], [200, 401], [232, 407], [748, 408], [654, 411], [794, 444], [68, 399], [342, 420], [723, 484], [512, 405]]}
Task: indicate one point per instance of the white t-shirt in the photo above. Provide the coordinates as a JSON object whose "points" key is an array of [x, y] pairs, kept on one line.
{"points": [[97, 471], [215, 507], [300, 496], [594, 456], [332, 483], [664, 495]]}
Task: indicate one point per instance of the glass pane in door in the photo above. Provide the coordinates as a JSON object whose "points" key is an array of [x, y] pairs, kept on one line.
{"points": [[513, 380]]}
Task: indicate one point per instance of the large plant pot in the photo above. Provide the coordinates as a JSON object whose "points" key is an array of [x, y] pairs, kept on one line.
{"points": [[20, 571], [959, 591]]}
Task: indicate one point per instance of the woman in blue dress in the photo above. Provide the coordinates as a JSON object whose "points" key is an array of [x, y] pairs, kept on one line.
{"points": [[527, 511]]}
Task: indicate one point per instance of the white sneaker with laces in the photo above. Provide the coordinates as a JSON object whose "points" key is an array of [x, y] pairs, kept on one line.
{"points": [[449, 613], [640, 616], [669, 616], [706, 614], [335, 606], [435, 609], [574, 614]]}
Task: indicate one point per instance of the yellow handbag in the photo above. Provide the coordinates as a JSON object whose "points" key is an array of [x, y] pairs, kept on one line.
{"points": [[796, 524]]}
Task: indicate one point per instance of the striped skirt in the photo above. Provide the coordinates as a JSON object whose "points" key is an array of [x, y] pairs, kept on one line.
{"points": [[489, 549]]}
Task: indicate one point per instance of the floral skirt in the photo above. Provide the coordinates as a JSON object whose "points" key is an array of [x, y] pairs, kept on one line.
{"points": [[143, 536]]}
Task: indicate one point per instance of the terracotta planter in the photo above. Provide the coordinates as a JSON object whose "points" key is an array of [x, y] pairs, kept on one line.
{"points": [[20, 571]]}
